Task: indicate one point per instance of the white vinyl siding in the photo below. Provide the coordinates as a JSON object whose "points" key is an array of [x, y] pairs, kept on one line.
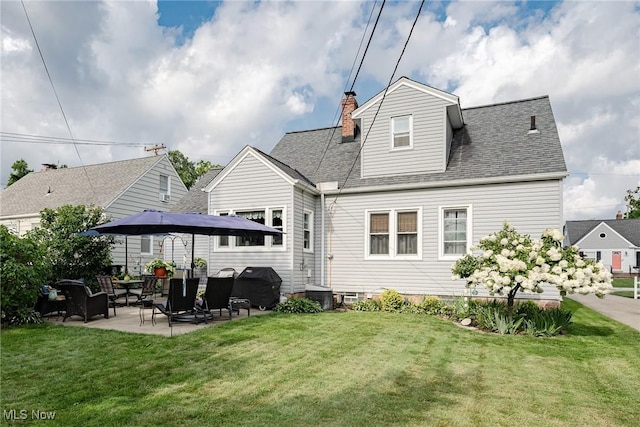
{"points": [[530, 207], [428, 135], [253, 185]]}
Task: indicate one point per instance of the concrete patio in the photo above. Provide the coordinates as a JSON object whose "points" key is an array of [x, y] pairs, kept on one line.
{"points": [[127, 319]]}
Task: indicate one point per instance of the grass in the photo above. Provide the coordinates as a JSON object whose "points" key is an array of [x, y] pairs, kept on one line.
{"points": [[328, 369], [623, 283]]}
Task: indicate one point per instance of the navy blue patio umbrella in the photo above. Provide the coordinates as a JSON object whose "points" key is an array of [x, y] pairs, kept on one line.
{"points": [[159, 222]]}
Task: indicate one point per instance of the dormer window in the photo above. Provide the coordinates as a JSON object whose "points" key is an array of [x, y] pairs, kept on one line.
{"points": [[401, 132]]}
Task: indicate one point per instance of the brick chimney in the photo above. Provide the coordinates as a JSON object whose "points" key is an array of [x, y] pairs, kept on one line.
{"points": [[619, 215], [349, 104]]}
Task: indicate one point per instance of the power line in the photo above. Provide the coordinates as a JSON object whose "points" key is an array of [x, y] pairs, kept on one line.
{"points": [[64, 116], [384, 95], [37, 139], [340, 108]]}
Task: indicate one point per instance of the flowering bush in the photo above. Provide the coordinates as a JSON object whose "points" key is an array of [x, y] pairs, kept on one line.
{"points": [[511, 262]]}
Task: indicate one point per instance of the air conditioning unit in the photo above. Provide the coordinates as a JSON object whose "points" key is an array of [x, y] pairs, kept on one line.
{"points": [[165, 197]]}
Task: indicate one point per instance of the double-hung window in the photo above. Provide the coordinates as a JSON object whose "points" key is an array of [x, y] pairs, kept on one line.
{"points": [[393, 234], [164, 188], [307, 229], [276, 222], [402, 132], [146, 245], [455, 231]]}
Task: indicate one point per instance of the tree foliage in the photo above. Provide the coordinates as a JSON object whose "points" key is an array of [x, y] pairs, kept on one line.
{"points": [[20, 168], [23, 268], [72, 256], [633, 201], [511, 262], [189, 171]]}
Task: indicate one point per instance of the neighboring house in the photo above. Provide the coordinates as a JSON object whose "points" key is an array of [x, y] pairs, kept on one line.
{"points": [[615, 242], [396, 194], [121, 188]]}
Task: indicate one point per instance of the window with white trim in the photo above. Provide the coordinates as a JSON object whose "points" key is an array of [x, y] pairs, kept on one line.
{"points": [[394, 233], [402, 132], [454, 233], [276, 222], [146, 245], [307, 230], [165, 187], [272, 217]]}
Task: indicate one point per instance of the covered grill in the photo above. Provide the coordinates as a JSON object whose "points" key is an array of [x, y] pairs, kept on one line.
{"points": [[260, 285]]}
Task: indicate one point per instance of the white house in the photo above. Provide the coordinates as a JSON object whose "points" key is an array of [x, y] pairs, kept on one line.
{"points": [[395, 195], [121, 188], [615, 242]]}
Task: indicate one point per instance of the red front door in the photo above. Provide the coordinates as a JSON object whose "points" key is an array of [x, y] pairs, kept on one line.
{"points": [[616, 260]]}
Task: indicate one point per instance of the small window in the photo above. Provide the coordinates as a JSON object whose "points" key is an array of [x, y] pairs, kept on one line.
{"points": [[223, 241], [401, 132], [603, 235], [164, 188], [454, 232], [379, 234], [307, 227], [276, 222], [146, 245]]}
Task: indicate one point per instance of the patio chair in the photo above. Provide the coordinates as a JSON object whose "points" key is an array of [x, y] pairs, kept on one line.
{"points": [[227, 272], [106, 285], [216, 296], [180, 302], [81, 302], [145, 293]]}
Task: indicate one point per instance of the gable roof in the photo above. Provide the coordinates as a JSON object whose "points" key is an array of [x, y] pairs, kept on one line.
{"points": [[196, 199], [284, 170], [453, 110], [493, 144], [97, 185], [627, 228]]}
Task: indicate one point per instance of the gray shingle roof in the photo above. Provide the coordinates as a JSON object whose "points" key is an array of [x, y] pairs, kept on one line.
{"points": [[95, 185], [493, 143], [196, 200], [627, 228]]}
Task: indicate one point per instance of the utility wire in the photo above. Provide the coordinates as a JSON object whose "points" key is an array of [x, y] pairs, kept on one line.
{"points": [[64, 116], [364, 141], [340, 108]]}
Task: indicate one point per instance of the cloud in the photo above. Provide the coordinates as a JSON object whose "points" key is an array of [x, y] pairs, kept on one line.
{"points": [[253, 69]]}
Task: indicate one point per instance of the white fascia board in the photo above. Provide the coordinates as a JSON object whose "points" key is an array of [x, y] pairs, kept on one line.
{"points": [[453, 183], [609, 228], [447, 97], [21, 216], [243, 154]]}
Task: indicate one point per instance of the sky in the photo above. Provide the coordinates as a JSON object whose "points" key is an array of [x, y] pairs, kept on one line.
{"points": [[208, 78]]}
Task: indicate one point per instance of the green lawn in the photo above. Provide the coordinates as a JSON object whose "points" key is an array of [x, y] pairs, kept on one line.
{"points": [[623, 283], [329, 369]]}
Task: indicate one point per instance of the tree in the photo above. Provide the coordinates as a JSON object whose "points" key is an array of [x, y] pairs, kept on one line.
{"points": [[188, 171], [633, 201], [72, 256], [20, 168], [511, 262], [23, 269]]}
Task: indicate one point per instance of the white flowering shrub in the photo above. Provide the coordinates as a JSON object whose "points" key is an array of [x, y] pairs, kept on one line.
{"points": [[510, 262]]}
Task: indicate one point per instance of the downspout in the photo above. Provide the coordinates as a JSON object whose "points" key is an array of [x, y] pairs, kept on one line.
{"points": [[322, 249]]}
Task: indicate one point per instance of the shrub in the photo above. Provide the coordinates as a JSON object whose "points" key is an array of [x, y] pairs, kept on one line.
{"points": [[431, 305], [391, 300], [547, 323], [366, 305], [23, 269], [298, 305]]}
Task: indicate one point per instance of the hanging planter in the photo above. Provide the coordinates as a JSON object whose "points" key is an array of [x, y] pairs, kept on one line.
{"points": [[159, 268], [160, 272]]}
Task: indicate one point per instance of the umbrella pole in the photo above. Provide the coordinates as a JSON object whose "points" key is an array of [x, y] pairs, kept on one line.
{"points": [[126, 255], [193, 245]]}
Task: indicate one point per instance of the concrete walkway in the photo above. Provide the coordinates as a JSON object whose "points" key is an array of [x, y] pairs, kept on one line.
{"points": [[624, 310], [127, 319]]}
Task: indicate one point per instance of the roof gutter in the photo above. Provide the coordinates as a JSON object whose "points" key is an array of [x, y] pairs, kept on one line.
{"points": [[451, 183]]}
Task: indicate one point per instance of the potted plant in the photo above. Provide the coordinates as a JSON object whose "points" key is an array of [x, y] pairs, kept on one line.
{"points": [[160, 268], [201, 265]]}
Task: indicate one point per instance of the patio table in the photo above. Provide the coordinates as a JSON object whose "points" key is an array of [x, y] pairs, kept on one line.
{"points": [[128, 284]]}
